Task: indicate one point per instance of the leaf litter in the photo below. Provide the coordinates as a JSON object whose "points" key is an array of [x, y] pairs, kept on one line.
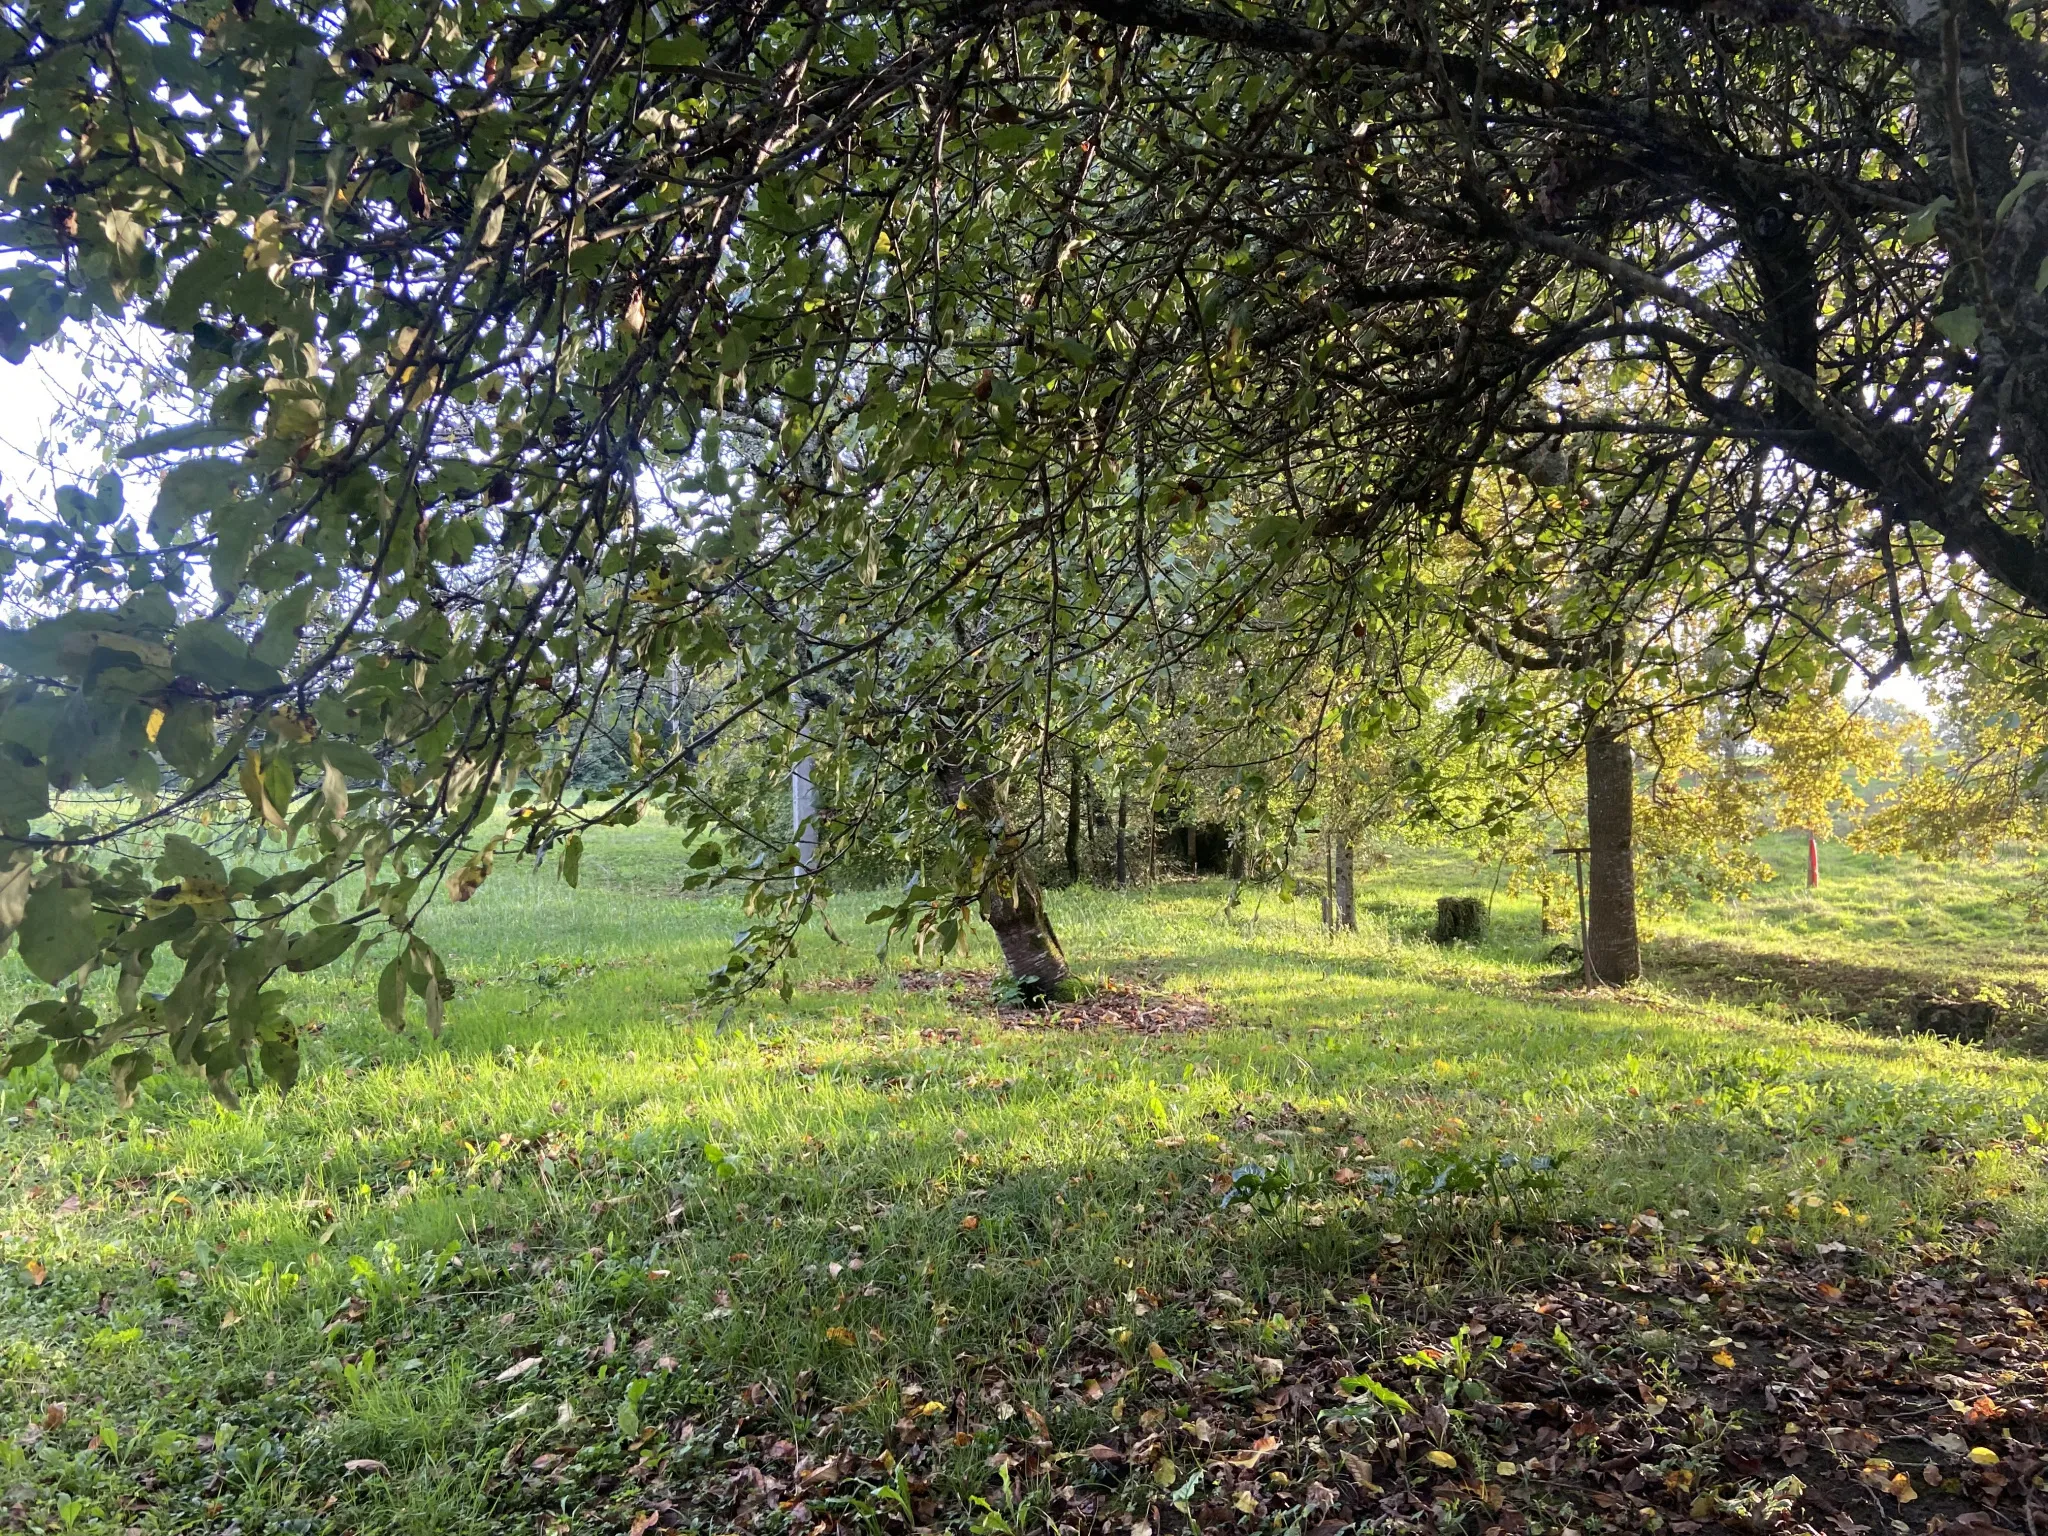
{"points": [[1678, 1389], [1110, 1004]]}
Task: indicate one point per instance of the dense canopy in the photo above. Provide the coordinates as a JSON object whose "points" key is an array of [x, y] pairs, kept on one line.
{"points": [[911, 395]]}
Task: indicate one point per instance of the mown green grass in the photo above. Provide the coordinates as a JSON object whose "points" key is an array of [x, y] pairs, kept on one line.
{"points": [[595, 1169], [1939, 921]]}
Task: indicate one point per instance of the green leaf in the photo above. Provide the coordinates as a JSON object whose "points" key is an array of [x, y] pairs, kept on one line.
{"points": [[58, 934], [126, 1073], [320, 946], [1379, 1390], [279, 637], [185, 739], [1961, 326], [680, 49], [159, 930], [183, 859], [80, 508], [193, 490], [391, 992], [1920, 227], [279, 1059], [572, 859], [2021, 188], [24, 786], [14, 889], [171, 439], [215, 657], [353, 761], [434, 992], [217, 1080]]}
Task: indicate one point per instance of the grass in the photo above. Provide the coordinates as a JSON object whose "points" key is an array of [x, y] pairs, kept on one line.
{"points": [[317, 1314]]}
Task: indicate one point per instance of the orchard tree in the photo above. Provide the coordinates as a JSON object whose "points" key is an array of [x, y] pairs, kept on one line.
{"points": [[481, 361]]}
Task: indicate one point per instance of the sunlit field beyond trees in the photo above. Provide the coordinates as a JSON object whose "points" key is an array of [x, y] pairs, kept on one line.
{"points": [[604, 1257]]}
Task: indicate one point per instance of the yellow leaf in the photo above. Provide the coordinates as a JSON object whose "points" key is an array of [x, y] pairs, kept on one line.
{"points": [[1983, 1456], [1724, 1360], [1442, 1459], [1506, 1469], [37, 1274], [931, 1410], [156, 723], [840, 1335], [1246, 1502]]}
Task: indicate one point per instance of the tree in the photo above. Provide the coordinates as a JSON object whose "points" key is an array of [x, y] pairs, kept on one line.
{"points": [[1821, 753], [498, 360], [448, 316], [1979, 782]]}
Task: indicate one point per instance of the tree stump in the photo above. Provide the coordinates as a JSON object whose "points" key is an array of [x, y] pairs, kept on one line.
{"points": [[1954, 1019], [1459, 917]]}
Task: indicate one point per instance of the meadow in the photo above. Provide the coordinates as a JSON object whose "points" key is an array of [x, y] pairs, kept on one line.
{"points": [[883, 1257]]}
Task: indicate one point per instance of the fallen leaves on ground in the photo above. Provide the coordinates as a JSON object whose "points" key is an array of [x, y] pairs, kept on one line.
{"points": [[1770, 1392], [1120, 1005]]}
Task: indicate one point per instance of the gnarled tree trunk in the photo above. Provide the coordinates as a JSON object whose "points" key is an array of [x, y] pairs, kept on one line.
{"points": [[1613, 948], [1009, 898], [1031, 950]]}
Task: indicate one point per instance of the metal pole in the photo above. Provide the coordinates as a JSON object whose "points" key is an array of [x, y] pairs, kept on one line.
{"points": [[1579, 880], [1585, 947]]}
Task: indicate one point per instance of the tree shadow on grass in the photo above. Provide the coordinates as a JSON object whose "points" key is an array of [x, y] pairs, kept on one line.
{"points": [[1886, 1000]]}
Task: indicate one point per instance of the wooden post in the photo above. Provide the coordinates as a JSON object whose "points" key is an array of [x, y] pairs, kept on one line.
{"points": [[1812, 862]]}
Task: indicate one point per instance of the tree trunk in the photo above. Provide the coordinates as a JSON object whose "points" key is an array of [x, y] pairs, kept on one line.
{"points": [[803, 813], [1123, 810], [1194, 852], [1009, 898], [1031, 949], [1074, 822], [1613, 949], [1812, 861], [1347, 896]]}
